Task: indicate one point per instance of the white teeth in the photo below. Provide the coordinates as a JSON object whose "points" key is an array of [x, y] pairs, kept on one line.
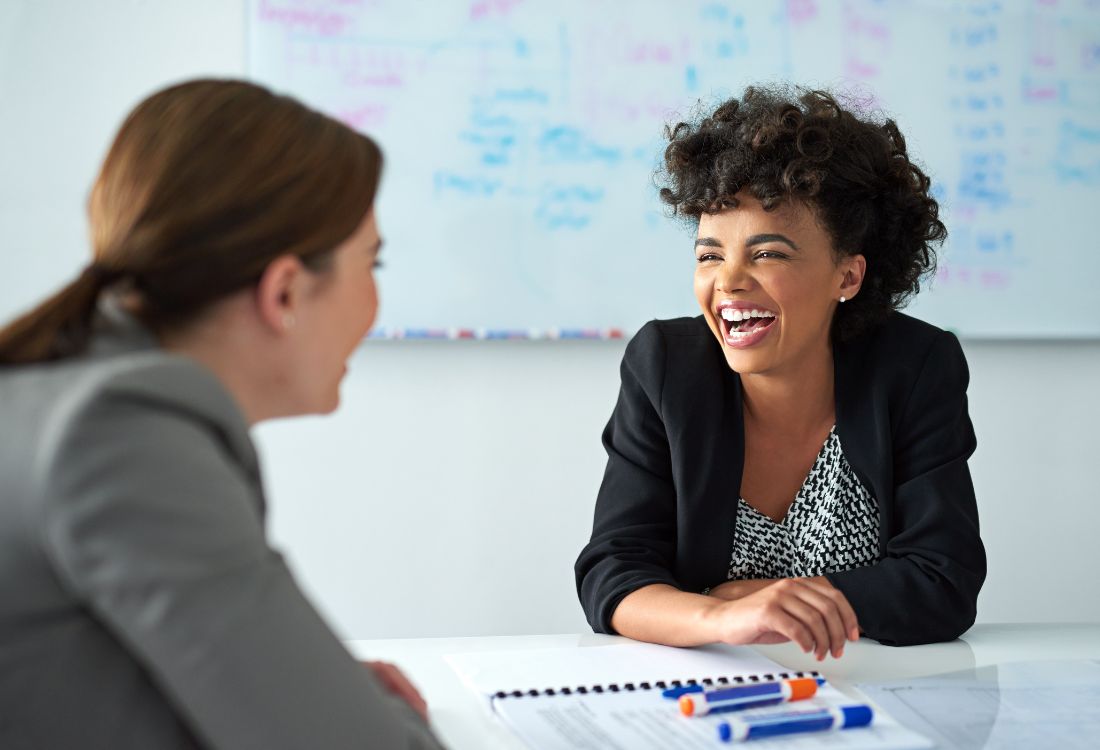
{"points": [[733, 315]]}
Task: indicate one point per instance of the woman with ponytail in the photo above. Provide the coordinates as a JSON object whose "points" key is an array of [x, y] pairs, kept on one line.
{"points": [[234, 242]]}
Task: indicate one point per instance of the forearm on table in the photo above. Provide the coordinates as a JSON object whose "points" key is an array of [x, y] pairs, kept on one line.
{"points": [[659, 613]]}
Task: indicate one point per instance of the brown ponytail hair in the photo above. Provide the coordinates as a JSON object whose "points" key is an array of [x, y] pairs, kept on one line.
{"points": [[205, 184]]}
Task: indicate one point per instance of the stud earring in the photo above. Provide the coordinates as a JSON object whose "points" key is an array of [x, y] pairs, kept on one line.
{"points": [[842, 299]]}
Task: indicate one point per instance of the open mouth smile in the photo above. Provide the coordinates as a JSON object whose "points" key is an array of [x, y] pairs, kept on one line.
{"points": [[744, 324]]}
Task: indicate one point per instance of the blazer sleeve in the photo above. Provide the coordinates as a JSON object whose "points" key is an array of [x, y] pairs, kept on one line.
{"points": [[151, 524], [634, 526], [925, 589]]}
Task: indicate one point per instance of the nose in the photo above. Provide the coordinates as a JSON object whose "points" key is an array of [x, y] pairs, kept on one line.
{"points": [[733, 276]]}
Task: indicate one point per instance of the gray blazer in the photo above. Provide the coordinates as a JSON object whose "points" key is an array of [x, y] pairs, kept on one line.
{"points": [[140, 604]]}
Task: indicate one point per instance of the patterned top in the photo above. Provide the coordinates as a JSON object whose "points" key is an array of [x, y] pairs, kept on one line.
{"points": [[832, 525]]}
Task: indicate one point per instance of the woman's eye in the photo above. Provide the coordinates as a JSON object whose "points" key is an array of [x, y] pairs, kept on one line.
{"points": [[765, 254], [377, 264], [707, 257]]}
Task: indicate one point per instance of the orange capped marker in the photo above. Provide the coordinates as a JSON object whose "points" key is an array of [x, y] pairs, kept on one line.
{"points": [[737, 697]]}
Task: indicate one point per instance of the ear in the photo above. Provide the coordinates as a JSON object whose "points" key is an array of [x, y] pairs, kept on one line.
{"points": [[278, 293], [852, 268]]}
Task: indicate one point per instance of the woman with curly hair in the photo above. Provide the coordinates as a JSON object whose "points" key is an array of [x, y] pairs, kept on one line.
{"points": [[791, 464]]}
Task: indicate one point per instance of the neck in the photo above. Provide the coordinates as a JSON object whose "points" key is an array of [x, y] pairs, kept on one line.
{"points": [[800, 399], [226, 344]]}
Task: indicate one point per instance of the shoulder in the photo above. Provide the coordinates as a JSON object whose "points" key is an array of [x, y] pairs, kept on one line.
{"points": [[129, 405], [675, 362], [902, 347], [685, 331], [901, 334], [163, 382], [136, 442], [155, 383], [659, 342], [905, 371]]}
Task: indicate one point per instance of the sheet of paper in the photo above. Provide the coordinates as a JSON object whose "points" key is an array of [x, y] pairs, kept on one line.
{"points": [[642, 720], [1009, 706], [488, 672]]}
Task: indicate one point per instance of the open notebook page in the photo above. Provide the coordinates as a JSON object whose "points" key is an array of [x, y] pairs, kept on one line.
{"points": [[624, 715], [643, 720]]}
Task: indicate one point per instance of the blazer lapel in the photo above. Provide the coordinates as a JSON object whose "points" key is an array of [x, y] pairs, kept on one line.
{"points": [[708, 525], [864, 434]]}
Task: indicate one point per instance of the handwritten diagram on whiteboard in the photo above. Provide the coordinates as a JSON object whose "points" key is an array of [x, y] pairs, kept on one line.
{"points": [[521, 140]]}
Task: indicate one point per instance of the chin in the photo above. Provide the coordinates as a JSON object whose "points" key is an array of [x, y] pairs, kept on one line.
{"points": [[330, 405], [745, 363], [320, 404]]}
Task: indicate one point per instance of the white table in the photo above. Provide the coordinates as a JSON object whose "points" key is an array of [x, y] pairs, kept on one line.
{"points": [[462, 720]]}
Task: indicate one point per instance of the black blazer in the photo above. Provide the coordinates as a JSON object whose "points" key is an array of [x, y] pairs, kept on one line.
{"points": [[675, 444]]}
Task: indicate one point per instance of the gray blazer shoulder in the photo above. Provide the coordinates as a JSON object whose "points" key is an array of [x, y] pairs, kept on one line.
{"points": [[143, 606]]}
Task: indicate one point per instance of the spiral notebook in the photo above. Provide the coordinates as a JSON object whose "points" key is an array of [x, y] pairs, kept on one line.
{"points": [[609, 697]]}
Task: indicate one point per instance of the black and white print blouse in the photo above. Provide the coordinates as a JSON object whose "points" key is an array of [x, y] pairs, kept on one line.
{"points": [[832, 525]]}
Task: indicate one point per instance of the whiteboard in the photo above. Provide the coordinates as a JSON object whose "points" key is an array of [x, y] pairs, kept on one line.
{"points": [[521, 140]]}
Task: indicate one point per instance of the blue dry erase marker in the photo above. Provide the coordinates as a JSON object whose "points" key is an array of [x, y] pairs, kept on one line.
{"points": [[736, 697], [795, 722]]}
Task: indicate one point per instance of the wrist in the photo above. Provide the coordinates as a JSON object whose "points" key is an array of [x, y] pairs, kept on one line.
{"points": [[710, 619], [731, 590], [706, 619]]}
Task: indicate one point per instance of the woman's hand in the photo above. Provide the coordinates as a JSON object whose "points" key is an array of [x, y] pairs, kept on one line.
{"points": [[396, 683], [809, 611]]}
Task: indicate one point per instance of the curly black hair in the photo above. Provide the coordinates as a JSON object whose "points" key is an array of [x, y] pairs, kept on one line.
{"points": [[795, 144]]}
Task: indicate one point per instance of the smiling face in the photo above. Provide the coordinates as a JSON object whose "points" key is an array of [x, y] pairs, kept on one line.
{"points": [[768, 283]]}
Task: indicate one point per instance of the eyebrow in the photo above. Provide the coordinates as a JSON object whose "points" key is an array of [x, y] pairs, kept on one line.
{"points": [[756, 239], [760, 239]]}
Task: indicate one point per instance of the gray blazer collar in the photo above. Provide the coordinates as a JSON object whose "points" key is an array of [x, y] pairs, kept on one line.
{"points": [[190, 385]]}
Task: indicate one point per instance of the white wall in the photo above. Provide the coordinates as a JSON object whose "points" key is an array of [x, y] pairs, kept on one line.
{"points": [[453, 490]]}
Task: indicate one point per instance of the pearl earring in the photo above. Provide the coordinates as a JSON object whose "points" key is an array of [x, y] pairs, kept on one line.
{"points": [[288, 320], [842, 299]]}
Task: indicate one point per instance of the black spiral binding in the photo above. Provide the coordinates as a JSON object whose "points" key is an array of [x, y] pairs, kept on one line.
{"points": [[615, 687]]}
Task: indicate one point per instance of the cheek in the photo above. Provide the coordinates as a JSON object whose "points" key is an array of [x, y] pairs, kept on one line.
{"points": [[370, 300], [704, 287], [801, 300]]}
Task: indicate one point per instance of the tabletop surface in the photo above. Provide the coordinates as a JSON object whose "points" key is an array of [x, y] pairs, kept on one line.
{"points": [[462, 719]]}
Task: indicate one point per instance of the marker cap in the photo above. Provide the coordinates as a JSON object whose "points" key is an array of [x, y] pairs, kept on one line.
{"points": [[857, 716], [687, 705], [803, 687]]}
